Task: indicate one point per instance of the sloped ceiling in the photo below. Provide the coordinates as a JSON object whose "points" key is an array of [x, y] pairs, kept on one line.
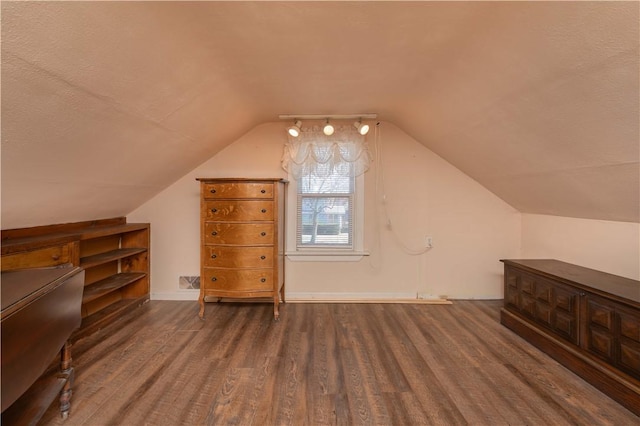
{"points": [[104, 104]]}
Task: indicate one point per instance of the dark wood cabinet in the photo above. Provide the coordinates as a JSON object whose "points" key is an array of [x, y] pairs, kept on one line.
{"points": [[587, 320], [613, 334], [550, 305]]}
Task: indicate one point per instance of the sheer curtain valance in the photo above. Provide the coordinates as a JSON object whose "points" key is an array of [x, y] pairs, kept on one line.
{"points": [[344, 153]]}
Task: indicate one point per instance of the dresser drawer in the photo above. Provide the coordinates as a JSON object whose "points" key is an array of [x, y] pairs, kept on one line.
{"points": [[238, 257], [47, 256], [230, 280], [231, 210], [238, 233], [237, 190]]}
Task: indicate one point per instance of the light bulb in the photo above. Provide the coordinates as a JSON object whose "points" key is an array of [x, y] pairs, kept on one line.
{"points": [[328, 129], [295, 129], [363, 129]]}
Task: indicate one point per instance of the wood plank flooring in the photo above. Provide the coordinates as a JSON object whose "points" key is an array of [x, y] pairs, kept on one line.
{"points": [[324, 364]]}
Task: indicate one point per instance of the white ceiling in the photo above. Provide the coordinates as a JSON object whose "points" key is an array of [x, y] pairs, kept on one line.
{"points": [[104, 104]]}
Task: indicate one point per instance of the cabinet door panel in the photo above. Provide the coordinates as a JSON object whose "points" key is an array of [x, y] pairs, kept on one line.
{"points": [[600, 315], [543, 291], [238, 257], [528, 305], [630, 326], [230, 210], [239, 233], [601, 343], [630, 357], [511, 297], [237, 190], [566, 326], [543, 313], [527, 284]]}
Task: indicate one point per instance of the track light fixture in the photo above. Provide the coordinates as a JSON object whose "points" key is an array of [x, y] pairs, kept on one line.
{"points": [[363, 129], [328, 128], [295, 129]]}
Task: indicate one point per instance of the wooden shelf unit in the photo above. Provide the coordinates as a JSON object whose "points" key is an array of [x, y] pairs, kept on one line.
{"points": [[113, 253]]}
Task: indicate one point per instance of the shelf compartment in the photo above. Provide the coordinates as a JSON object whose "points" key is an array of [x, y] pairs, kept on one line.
{"points": [[31, 406], [112, 283], [103, 231], [110, 256], [106, 316]]}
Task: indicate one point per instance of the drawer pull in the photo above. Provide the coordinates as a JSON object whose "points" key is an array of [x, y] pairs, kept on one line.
{"points": [[262, 191], [213, 191], [214, 210], [263, 280], [214, 279], [214, 233], [213, 256], [263, 210], [55, 257], [263, 234], [263, 257]]}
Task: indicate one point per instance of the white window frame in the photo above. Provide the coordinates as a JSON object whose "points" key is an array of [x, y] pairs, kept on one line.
{"points": [[335, 254]]}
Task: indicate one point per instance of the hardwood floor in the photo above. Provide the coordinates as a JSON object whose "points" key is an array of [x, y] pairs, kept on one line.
{"points": [[374, 364]]}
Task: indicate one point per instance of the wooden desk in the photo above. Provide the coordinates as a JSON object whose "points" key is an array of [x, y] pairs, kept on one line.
{"points": [[40, 310], [587, 320]]}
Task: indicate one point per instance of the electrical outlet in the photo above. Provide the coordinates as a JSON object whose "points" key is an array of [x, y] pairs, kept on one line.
{"points": [[428, 241]]}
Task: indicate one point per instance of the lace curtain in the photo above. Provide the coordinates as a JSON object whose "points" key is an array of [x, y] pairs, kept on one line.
{"points": [[344, 153]]}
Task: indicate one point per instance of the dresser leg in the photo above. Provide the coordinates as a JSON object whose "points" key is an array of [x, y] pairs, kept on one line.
{"points": [[65, 368], [201, 302]]}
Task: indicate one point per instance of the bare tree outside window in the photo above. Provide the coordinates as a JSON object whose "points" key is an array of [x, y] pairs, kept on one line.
{"points": [[325, 207]]}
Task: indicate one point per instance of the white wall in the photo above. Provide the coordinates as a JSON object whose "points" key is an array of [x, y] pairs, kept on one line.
{"points": [[471, 228], [612, 247]]}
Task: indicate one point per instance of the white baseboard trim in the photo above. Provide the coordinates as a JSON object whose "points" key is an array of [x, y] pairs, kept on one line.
{"points": [[176, 295], [322, 297], [328, 297]]}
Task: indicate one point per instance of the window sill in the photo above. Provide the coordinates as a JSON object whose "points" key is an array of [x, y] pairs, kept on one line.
{"points": [[326, 256]]}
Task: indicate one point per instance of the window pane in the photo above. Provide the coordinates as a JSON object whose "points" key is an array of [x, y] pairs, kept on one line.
{"points": [[324, 221], [326, 185]]}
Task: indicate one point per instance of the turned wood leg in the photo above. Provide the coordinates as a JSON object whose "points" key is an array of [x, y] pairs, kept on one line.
{"points": [[201, 302], [276, 303], [67, 369]]}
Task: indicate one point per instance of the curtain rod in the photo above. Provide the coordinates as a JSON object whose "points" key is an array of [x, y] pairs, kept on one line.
{"points": [[325, 116]]}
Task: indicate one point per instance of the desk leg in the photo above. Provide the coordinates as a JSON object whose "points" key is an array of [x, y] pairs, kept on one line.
{"points": [[66, 369]]}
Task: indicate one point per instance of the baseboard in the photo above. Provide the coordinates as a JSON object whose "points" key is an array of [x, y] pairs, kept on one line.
{"points": [[326, 297], [176, 295], [323, 297]]}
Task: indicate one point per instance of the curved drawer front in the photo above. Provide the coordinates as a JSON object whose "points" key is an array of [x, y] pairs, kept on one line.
{"points": [[238, 257], [237, 190], [238, 280], [239, 233], [231, 210]]}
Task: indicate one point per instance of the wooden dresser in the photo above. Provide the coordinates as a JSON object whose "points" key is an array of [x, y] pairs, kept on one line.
{"points": [[587, 320], [242, 239]]}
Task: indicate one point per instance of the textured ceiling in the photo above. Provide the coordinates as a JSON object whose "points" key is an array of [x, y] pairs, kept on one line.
{"points": [[104, 104]]}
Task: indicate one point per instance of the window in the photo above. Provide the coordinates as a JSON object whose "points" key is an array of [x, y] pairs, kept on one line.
{"points": [[326, 218], [324, 212], [326, 194]]}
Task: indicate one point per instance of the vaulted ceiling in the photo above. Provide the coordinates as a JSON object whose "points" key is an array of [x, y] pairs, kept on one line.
{"points": [[104, 104]]}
